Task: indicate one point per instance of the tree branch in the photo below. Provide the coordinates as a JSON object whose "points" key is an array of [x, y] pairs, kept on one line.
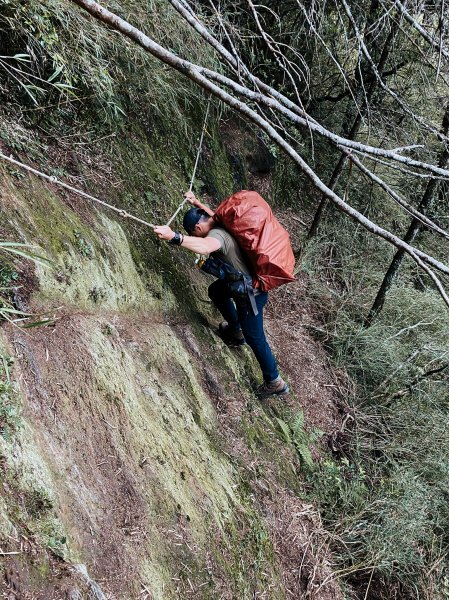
{"points": [[442, 50], [197, 74]]}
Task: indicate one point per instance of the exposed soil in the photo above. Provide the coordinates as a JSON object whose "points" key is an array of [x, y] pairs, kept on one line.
{"points": [[303, 359], [21, 568], [58, 381], [56, 372]]}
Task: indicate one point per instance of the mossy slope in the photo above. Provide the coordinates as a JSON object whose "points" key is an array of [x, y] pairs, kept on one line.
{"points": [[116, 462]]}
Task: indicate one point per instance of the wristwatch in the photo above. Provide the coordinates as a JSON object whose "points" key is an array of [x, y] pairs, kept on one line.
{"points": [[177, 239]]}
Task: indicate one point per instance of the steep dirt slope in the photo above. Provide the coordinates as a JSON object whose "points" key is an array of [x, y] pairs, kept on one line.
{"points": [[139, 464]]}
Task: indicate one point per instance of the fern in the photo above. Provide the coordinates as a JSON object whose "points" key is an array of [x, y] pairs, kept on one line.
{"points": [[296, 435], [285, 430]]}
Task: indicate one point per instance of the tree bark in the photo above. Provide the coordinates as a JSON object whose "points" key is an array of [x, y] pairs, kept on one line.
{"points": [[353, 131], [414, 229]]}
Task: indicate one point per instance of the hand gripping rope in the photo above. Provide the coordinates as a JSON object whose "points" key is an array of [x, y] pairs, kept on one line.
{"points": [[120, 211]]}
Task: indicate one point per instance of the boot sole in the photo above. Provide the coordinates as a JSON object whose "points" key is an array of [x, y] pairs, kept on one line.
{"points": [[282, 392]]}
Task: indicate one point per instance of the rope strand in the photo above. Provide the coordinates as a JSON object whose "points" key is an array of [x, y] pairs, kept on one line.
{"points": [[200, 145], [55, 180], [120, 211]]}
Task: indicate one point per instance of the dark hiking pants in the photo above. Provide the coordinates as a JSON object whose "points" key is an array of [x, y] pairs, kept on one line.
{"points": [[239, 315]]}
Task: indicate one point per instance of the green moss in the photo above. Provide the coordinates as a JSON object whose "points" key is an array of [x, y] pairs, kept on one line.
{"points": [[6, 526], [37, 502], [30, 502], [83, 246], [52, 535], [10, 407], [151, 168], [30, 505], [160, 407], [139, 389], [10, 412], [218, 177], [83, 273], [8, 276], [249, 563], [111, 282], [266, 442]]}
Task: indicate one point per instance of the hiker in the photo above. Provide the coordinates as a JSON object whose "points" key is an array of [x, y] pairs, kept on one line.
{"points": [[241, 323]]}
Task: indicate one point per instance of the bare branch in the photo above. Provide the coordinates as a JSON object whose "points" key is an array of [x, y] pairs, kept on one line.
{"points": [[278, 56], [277, 101], [405, 205], [438, 46], [199, 76], [381, 82]]}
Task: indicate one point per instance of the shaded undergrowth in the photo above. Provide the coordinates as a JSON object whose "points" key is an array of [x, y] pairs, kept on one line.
{"points": [[383, 489]]}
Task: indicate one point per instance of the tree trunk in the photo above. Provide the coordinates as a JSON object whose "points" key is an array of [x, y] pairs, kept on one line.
{"points": [[354, 129], [414, 229]]}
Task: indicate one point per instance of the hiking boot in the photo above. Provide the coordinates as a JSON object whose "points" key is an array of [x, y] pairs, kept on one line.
{"points": [[277, 387], [231, 337]]}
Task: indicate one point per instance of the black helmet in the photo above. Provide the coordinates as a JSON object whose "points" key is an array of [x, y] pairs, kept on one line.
{"points": [[191, 218]]}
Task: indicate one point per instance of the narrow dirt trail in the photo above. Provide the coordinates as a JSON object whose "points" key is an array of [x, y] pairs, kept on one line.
{"points": [[62, 395], [302, 359]]}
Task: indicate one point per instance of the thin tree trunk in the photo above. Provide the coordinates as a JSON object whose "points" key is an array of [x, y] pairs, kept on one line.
{"points": [[207, 78], [414, 229], [333, 181], [353, 132]]}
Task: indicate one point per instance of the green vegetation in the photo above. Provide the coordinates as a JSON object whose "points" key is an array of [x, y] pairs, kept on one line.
{"points": [[83, 246], [302, 440], [29, 504], [108, 74], [89, 105], [10, 410], [384, 491], [8, 276]]}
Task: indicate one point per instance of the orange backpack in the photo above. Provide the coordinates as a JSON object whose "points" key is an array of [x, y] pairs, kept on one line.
{"points": [[262, 238]]}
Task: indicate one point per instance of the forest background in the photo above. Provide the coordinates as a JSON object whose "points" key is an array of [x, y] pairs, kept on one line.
{"points": [[373, 73]]}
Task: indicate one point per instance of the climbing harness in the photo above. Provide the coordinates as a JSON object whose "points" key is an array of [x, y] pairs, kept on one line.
{"points": [[121, 212]]}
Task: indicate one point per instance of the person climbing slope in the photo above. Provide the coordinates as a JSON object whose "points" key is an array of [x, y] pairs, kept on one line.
{"points": [[242, 311]]}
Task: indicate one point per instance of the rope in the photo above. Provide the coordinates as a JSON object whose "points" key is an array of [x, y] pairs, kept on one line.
{"points": [[55, 180], [200, 145], [120, 211]]}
